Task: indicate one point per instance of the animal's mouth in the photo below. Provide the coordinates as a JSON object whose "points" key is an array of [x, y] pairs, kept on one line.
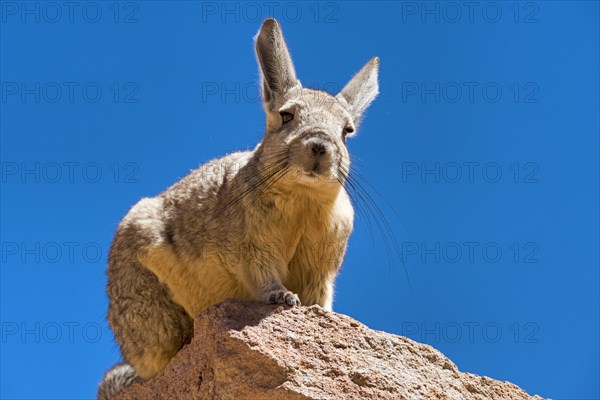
{"points": [[312, 176], [319, 168], [309, 177]]}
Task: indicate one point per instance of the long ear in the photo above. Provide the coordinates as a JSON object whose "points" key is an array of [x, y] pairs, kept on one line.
{"points": [[362, 89], [277, 70]]}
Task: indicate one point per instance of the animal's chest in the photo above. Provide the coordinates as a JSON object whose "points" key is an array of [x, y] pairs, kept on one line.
{"points": [[303, 232], [305, 229], [321, 240], [293, 224]]}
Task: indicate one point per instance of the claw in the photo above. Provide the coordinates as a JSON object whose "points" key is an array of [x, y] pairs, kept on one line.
{"points": [[283, 297]]}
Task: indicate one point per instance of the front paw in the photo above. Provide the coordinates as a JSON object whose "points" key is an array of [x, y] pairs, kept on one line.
{"points": [[282, 297]]}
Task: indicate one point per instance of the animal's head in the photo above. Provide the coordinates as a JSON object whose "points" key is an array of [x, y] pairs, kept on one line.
{"points": [[308, 128]]}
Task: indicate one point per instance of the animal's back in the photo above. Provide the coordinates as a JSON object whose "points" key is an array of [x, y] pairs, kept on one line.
{"points": [[148, 322]]}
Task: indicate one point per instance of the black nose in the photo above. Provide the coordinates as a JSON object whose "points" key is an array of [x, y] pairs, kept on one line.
{"points": [[318, 149]]}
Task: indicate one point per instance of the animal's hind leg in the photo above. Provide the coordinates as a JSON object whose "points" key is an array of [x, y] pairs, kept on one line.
{"points": [[148, 325]]}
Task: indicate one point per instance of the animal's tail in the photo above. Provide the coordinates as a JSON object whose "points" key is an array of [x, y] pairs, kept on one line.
{"points": [[116, 379]]}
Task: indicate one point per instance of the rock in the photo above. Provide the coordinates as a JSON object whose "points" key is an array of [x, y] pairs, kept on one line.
{"points": [[247, 350]]}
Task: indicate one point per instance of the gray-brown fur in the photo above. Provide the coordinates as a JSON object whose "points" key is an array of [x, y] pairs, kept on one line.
{"points": [[118, 377], [269, 224]]}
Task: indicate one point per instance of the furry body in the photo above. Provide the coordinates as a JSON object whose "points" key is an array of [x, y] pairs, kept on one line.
{"points": [[270, 224]]}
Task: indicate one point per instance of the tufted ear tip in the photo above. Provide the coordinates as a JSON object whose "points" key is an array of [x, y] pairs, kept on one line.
{"points": [[362, 89], [270, 23]]}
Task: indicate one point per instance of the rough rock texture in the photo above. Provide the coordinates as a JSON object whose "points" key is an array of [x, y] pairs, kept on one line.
{"points": [[245, 350]]}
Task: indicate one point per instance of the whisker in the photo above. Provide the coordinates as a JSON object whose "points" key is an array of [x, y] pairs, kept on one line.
{"points": [[359, 175], [353, 180], [359, 206], [252, 186]]}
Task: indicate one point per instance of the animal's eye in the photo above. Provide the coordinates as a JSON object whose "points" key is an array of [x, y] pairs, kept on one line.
{"points": [[286, 116], [348, 130]]}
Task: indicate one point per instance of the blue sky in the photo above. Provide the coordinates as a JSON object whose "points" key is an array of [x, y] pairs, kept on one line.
{"points": [[482, 150]]}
